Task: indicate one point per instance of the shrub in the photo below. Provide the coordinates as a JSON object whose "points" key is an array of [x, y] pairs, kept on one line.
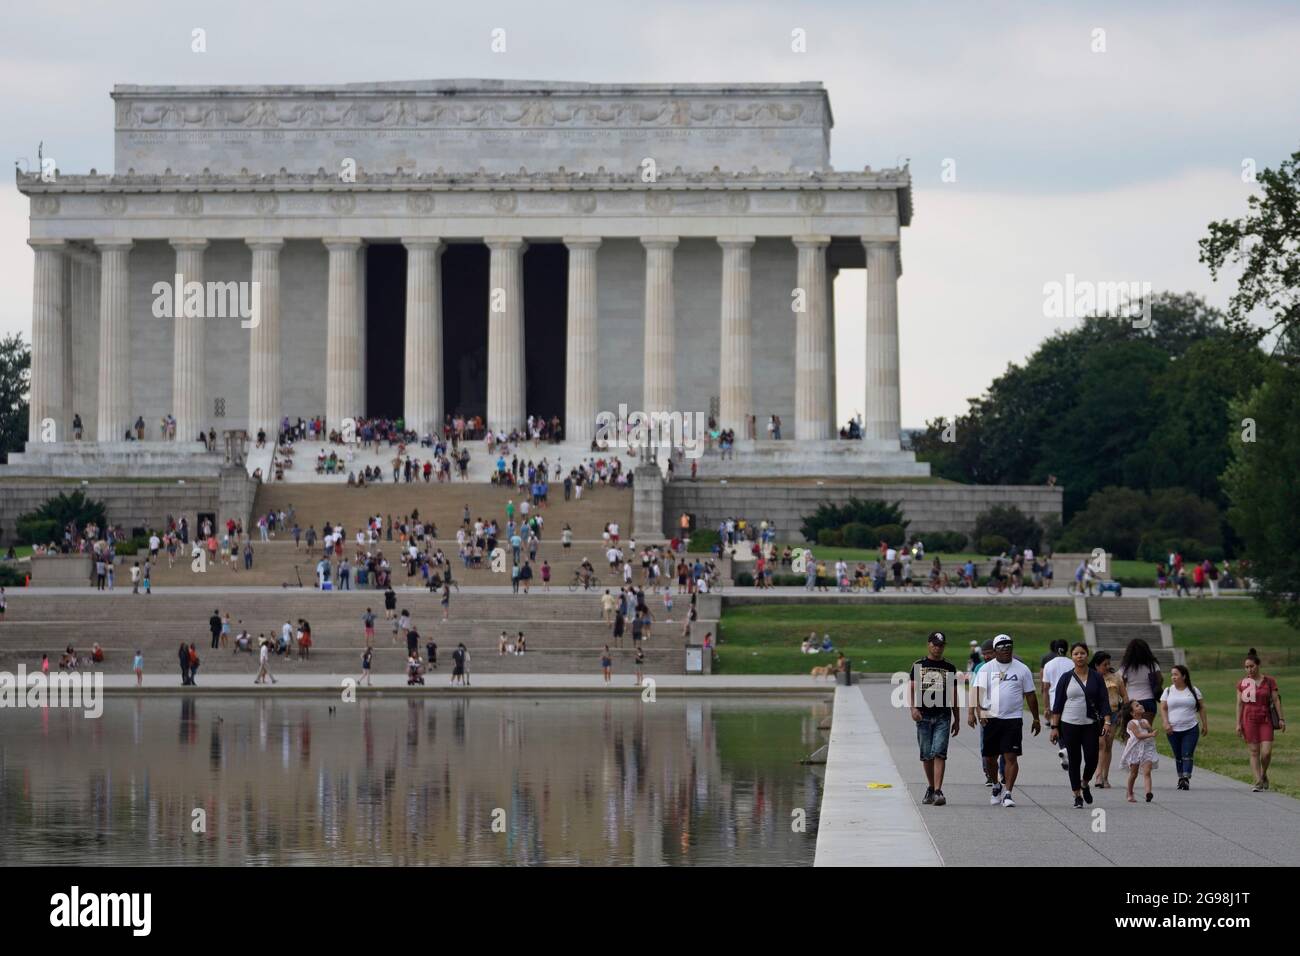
{"points": [[11, 575], [943, 542], [857, 535], [703, 541], [830, 538], [893, 534], [870, 512], [130, 546], [744, 580], [46, 523], [1009, 522], [993, 544], [34, 530]]}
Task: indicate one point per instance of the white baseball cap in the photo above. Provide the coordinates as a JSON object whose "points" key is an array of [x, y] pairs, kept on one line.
{"points": [[1002, 640]]}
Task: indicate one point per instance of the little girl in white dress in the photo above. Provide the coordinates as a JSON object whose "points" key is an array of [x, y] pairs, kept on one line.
{"points": [[1139, 751]]}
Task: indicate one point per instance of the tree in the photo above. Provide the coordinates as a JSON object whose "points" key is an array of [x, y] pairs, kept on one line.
{"points": [[1008, 521], [1130, 523], [1266, 243], [1261, 483], [47, 522], [15, 382], [871, 512]]}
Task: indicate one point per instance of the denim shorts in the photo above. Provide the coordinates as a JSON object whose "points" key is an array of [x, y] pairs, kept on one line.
{"points": [[932, 737]]}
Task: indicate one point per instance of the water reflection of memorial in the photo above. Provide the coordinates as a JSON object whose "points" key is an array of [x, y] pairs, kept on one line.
{"points": [[565, 780]]}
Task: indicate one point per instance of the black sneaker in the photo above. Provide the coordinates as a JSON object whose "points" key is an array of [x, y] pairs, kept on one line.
{"points": [[1078, 803], [1150, 797], [939, 798], [989, 781], [1087, 795], [929, 796]]}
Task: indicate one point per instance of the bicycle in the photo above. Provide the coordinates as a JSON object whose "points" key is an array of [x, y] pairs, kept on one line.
{"points": [[1006, 584], [578, 580]]}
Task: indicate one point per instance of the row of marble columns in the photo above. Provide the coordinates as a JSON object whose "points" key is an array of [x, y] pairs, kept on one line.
{"points": [[104, 280]]}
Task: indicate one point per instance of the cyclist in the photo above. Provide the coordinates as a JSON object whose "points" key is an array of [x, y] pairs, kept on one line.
{"points": [[968, 573], [997, 578], [936, 576]]}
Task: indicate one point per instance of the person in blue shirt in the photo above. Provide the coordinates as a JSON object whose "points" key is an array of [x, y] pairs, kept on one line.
{"points": [[827, 646]]}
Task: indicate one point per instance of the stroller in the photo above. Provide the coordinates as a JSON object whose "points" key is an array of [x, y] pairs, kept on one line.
{"points": [[414, 672]]}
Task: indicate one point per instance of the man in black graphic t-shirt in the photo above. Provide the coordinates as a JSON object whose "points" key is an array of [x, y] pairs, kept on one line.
{"points": [[933, 699]]}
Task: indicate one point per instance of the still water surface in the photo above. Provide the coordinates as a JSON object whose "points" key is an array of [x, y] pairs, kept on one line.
{"points": [[565, 780]]}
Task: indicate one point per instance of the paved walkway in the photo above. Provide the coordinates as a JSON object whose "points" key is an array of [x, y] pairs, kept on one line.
{"points": [[867, 816], [1218, 823], [438, 681]]}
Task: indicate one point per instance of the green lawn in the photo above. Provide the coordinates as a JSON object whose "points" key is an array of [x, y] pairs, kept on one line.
{"points": [[880, 638], [888, 638], [1223, 751], [1062, 576]]}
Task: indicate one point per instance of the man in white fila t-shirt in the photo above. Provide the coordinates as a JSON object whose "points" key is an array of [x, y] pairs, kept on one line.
{"points": [[1002, 686]]}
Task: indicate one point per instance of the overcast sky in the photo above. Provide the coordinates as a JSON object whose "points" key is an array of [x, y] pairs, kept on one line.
{"points": [[1106, 164]]}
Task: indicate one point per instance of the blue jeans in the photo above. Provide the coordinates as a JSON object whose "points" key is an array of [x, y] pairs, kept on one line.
{"points": [[1183, 743], [932, 737]]}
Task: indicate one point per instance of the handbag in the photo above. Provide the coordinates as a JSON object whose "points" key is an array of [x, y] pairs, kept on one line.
{"points": [[1274, 717]]}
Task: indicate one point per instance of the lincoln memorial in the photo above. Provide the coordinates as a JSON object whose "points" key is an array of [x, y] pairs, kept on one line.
{"points": [[491, 248]]}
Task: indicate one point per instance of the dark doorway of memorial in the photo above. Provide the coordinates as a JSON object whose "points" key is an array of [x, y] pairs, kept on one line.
{"points": [[546, 288], [384, 321], [465, 328]]}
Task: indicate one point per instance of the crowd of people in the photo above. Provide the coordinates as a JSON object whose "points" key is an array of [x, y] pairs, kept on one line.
{"points": [[1089, 703]]}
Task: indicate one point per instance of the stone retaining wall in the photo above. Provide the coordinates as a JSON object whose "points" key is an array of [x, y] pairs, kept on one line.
{"points": [[136, 504], [929, 507]]}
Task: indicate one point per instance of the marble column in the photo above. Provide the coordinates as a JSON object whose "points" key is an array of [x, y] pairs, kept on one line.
{"points": [[581, 377], [834, 418], [506, 395], [422, 407], [188, 403], [812, 343], [264, 385], [882, 412], [81, 344], [659, 393], [343, 371], [113, 415], [46, 420], [735, 377]]}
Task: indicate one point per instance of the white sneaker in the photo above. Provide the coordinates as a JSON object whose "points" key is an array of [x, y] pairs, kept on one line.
{"points": [[1007, 801], [1065, 759], [995, 797]]}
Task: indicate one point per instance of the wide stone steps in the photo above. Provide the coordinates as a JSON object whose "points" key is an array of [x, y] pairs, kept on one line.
{"points": [[1118, 610], [277, 563], [444, 505], [176, 608], [346, 662]]}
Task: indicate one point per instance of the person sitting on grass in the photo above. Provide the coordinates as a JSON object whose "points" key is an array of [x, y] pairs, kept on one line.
{"points": [[827, 646]]}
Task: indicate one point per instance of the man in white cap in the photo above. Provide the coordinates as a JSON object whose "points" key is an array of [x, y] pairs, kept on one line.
{"points": [[1001, 688]]}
